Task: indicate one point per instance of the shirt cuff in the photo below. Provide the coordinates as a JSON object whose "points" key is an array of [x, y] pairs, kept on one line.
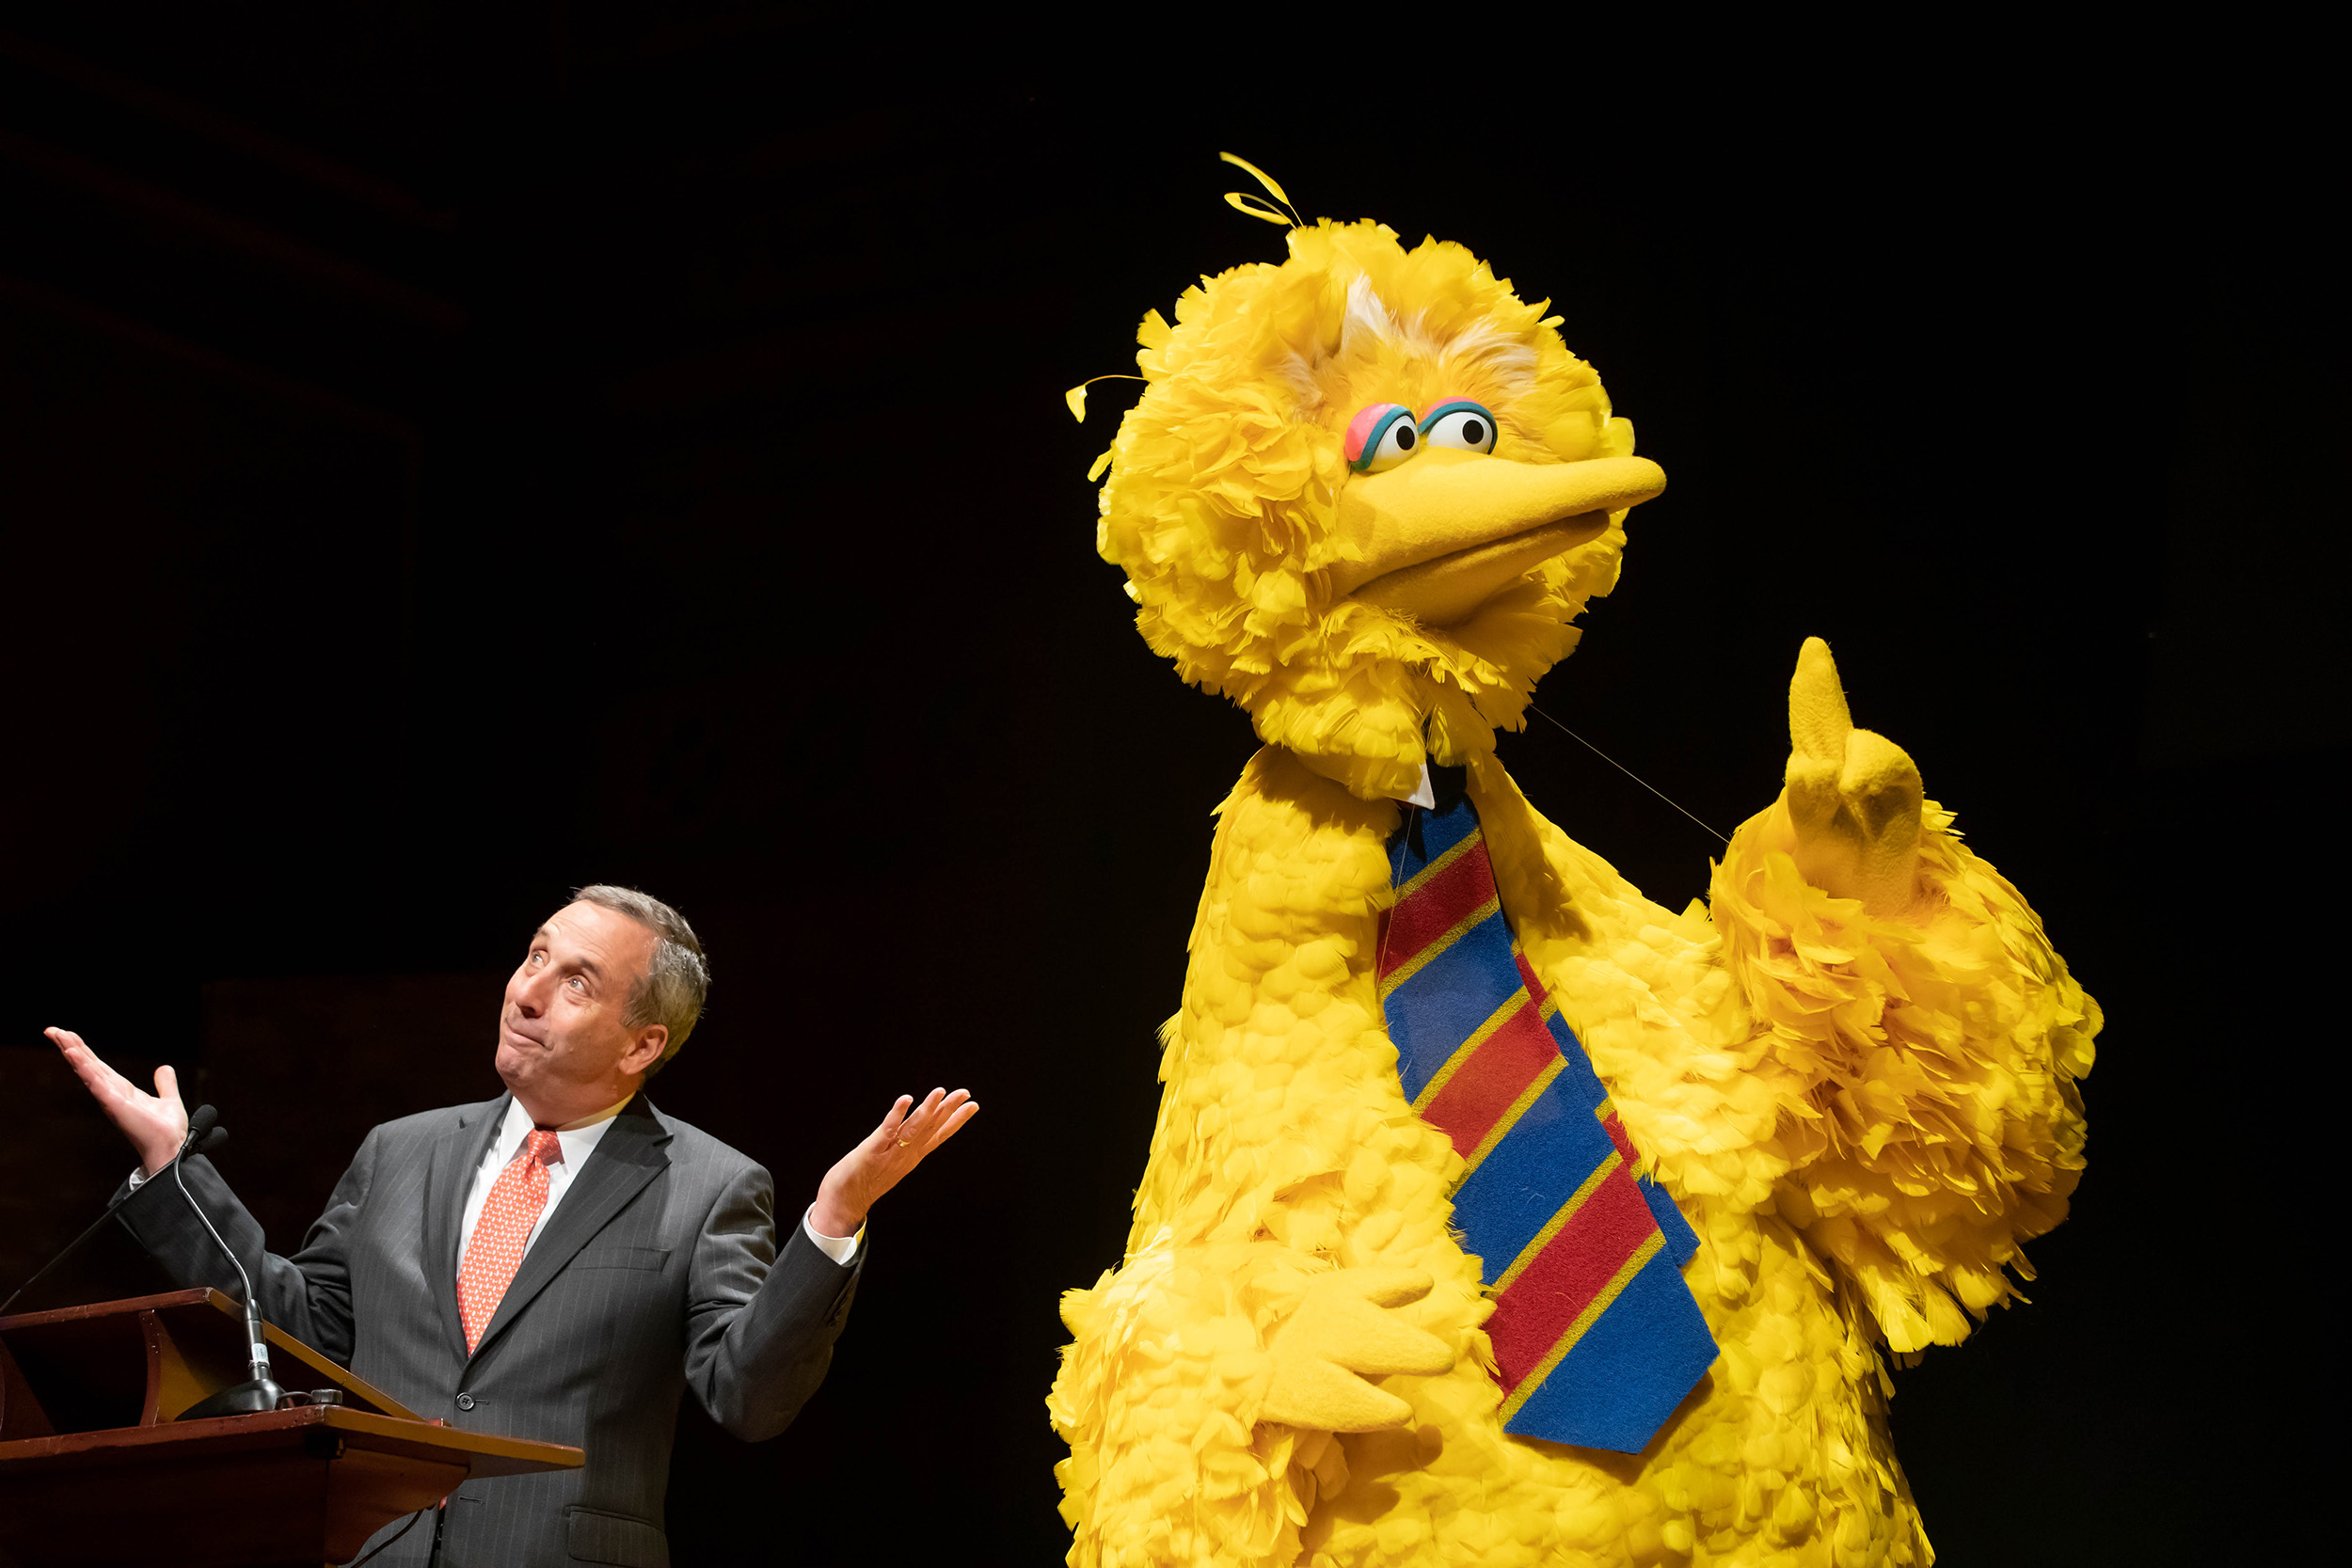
{"points": [[839, 1248]]}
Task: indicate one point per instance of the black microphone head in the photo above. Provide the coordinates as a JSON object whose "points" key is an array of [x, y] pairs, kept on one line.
{"points": [[211, 1140], [203, 1122]]}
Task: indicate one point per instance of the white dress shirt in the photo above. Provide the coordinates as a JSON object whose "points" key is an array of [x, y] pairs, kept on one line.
{"points": [[578, 1140]]}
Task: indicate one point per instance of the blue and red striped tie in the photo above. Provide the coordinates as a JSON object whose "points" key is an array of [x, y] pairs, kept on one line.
{"points": [[1596, 1338]]}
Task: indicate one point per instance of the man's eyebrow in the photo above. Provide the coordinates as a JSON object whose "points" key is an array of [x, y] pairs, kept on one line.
{"points": [[540, 936]]}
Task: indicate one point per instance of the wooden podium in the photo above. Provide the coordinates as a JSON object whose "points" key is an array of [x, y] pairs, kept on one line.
{"points": [[94, 1468]]}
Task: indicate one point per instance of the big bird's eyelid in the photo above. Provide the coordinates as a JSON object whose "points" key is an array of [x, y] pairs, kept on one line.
{"points": [[1461, 422], [1443, 406], [1381, 435]]}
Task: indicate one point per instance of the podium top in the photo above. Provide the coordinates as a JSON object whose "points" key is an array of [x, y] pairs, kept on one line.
{"points": [[476, 1453], [103, 1349]]}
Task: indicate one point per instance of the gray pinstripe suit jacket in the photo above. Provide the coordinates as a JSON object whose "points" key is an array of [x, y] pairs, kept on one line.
{"points": [[656, 1272]]}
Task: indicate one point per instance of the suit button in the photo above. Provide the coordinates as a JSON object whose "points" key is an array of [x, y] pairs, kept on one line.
{"points": [[465, 1402]]}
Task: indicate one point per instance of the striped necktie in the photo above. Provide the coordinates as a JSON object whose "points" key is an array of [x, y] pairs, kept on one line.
{"points": [[1596, 1336], [502, 1233]]}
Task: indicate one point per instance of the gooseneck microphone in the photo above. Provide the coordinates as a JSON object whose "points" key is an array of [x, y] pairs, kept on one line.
{"points": [[203, 1136], [260, 1391]]}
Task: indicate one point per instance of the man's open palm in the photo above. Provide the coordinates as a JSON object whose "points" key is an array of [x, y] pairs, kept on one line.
{"points": [[882, 1161], [155, 1123]]}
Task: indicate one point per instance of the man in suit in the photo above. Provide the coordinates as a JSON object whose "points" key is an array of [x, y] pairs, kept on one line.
{"points": [[562, 1263]]}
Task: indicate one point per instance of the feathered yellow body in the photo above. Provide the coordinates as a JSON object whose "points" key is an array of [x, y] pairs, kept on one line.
{"points": [[1861, 1115]]}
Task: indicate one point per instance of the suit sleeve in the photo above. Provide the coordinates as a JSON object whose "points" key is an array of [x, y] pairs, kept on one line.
{"points": [[761, 1324], [309, 1295]]}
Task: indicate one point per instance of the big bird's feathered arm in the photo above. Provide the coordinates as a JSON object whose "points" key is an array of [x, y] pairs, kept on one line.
{"points": [[1929, 1037], [1872, 1036]]}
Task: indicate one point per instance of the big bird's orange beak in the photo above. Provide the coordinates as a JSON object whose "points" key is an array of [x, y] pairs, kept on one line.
{"points": [[1438, 536]]}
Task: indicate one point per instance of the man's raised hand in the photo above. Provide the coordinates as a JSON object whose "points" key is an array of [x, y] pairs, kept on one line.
{"points": [[155, 1123], [861, 1177]]}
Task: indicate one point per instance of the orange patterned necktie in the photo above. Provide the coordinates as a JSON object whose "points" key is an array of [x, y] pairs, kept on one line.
{"points": [[496, 1249]]}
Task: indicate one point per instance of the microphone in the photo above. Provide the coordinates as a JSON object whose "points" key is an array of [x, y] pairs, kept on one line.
{"points": [[260, 1391], [204, 1135], [201, 1126]]}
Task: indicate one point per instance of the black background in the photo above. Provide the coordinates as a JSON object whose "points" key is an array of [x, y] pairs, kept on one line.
{"points": [[448, 455]]}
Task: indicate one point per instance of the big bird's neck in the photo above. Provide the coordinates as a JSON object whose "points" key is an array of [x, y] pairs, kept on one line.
{"points": [[1279, 1062]]}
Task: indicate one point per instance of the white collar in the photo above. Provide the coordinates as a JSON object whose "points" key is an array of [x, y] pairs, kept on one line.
{"points": [[577, 1139], [1423, 793]]}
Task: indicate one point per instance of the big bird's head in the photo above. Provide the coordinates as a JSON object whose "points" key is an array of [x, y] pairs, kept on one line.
{"points": [[1365, 495]]}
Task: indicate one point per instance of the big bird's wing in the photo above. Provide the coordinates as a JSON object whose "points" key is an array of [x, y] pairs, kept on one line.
{"points": [[1896, 1077]]}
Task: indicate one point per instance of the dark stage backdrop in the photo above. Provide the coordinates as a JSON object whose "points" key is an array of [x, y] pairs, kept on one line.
{"points": [[444, 461]]}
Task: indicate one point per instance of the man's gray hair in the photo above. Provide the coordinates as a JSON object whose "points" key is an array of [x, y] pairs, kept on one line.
{"points": [[672, 989]]}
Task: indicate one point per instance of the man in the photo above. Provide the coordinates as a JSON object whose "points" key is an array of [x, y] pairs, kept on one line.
{"points": [[532, 1265]]}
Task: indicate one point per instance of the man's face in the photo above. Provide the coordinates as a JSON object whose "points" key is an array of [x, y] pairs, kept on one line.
{"points": [[563, 1047]]}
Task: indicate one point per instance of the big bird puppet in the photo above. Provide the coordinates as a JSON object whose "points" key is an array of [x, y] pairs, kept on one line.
{"points": [[1495, 1215]]}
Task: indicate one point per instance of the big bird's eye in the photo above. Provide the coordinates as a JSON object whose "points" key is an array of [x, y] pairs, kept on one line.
{"points": [[1459, 422], [1381, 436]]}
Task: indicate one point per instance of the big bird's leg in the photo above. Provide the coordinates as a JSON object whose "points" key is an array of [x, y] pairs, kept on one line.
{"points": [[1935, 1037]]}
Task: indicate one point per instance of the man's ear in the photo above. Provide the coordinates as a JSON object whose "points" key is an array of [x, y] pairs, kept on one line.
{"points": [[650, 1043]]}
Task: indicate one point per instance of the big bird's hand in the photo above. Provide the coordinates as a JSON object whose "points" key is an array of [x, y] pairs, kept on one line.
{"points": [[1852, 793], [1340, 1330]]}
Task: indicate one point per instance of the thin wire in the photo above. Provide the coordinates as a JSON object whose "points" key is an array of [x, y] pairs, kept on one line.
{"points": [[1380, 958], [396, 1535], [60, 1258], [1618, 765]]}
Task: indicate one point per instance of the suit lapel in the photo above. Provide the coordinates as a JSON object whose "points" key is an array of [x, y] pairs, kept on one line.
{"points": [[629, 1155], [457, 1155]]}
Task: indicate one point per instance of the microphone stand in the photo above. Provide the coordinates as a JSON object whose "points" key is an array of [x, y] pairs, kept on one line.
{"points": [[260, 1391]]}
